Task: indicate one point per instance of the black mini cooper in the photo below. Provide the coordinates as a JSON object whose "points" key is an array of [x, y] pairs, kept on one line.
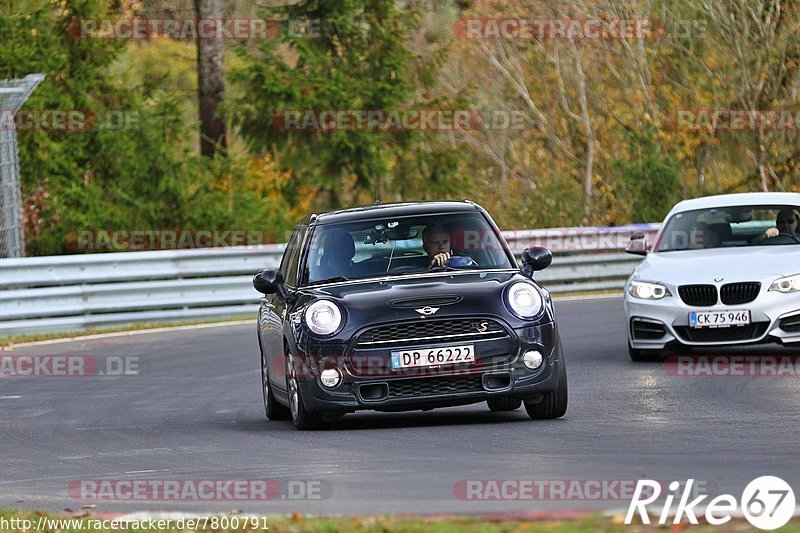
{"points": [[410, 306]]}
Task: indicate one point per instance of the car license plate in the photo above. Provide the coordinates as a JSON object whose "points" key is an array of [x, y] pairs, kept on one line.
{"points": [[448, 355], [711, 319]]}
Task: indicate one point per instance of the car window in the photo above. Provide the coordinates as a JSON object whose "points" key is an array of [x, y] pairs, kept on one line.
{"points": [[380, 247], [291, 257], [723, 227]]}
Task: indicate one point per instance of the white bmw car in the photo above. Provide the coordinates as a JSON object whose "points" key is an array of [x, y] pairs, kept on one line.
{"points": [[723, 270]]}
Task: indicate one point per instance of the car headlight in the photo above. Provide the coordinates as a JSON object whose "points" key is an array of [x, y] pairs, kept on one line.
{"points": [[323, 317], [787, 284], [647, 291], [524, 300]]}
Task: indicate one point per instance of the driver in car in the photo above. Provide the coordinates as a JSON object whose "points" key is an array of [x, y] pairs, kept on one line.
{"points": [[436, 243], [785, 222]]}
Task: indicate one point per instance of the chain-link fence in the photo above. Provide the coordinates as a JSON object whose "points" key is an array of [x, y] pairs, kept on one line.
{"points": [[13, 94]]}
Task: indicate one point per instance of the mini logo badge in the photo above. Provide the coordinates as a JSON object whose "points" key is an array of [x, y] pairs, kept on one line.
{"points": [[427, 310]]}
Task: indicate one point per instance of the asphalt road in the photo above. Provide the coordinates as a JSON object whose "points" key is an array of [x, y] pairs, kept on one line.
{"points": [[194, 411]]}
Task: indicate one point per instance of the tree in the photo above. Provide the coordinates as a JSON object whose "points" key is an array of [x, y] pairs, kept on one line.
{"points": [[346, 56], [210, 84]]}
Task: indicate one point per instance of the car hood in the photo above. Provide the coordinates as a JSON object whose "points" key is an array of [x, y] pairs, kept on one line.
{"points": [[398, 298], [757, 263]]}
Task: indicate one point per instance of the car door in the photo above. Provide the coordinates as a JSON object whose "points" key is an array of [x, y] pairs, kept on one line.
{"points": [[274, 310]]}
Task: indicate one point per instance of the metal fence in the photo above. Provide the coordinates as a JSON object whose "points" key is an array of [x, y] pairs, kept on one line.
{"points": [[13, 93], [77, 292]]}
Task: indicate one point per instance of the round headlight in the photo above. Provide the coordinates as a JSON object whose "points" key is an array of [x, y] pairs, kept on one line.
{"points": [[524, 300], [323, 317]]}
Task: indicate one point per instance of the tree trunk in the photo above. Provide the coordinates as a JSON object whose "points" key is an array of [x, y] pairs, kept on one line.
{"points": [[210, 83]]}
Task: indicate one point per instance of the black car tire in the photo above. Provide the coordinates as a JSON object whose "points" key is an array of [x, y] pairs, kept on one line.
{"points": [[503, 404], [553, 403], [274, 410], [301, 417]]}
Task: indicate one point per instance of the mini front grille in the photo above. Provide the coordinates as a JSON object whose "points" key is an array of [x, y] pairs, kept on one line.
{"points": [[790, 324], [645, 330], [729, 334], [739, 293], [463, 329], [699, 295], [408, 388]]}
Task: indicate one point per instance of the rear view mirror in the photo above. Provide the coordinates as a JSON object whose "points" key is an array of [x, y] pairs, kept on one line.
{"points": [[268, 281], [534, 259], [638, 244]]}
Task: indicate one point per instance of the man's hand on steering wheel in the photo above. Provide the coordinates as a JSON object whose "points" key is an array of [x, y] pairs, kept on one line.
{"points": [[439, 259]]}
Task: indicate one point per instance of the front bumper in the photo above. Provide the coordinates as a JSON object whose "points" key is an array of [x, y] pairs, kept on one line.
{"points": [[770, 315], [445, 386]]}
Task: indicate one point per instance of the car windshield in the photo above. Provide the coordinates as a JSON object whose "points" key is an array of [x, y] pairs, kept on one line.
{"points": [[724, 227], [402, 245]]}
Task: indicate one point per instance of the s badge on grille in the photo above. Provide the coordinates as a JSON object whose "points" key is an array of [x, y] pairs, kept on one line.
{"points": [[483, 326], [426, 311]]}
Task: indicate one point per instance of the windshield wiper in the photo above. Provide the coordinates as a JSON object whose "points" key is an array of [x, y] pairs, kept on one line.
{"points": [[334, 279]]}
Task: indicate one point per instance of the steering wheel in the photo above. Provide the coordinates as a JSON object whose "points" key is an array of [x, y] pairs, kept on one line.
{"points": [[783, 238], [460, 261]]}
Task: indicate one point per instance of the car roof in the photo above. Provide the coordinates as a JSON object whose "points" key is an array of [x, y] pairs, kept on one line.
{"points": [[393, 210], [730, 200]]}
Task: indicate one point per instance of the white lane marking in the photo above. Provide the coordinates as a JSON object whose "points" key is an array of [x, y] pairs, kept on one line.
{"points": [[10, 397]]}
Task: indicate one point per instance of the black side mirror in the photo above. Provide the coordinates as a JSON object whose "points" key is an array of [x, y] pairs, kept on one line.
{"points": [[535, 258], [638, 244], [268, 281]]}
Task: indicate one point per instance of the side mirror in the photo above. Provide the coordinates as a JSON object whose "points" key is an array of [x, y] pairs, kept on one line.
{"points": [[638, 244], [535, 258], [268, 281]]}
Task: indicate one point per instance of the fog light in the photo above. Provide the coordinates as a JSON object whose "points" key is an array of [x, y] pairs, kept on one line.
{"points": [[532, 359], [330, 377]]}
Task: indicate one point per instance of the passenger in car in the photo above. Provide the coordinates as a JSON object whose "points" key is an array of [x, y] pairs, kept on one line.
{"points": [[338, 250], [702, 236], [785, 222]]}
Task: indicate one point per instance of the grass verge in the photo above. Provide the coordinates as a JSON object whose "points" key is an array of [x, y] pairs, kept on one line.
{"points": [[18, 339]]}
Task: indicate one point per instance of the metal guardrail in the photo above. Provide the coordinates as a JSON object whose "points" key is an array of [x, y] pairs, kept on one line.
{"points": [[76, 292]]}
